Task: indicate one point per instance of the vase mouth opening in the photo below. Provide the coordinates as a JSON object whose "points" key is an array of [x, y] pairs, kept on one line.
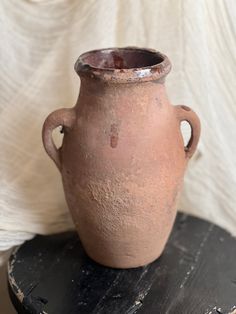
{"points": [[129, 64]]}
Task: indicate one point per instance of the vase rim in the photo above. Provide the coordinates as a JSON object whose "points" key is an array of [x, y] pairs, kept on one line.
{"points": [[123, 65]]}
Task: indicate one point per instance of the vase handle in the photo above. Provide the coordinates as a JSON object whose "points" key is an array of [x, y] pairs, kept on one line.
{"points": [[61, 117], [185, 113]]}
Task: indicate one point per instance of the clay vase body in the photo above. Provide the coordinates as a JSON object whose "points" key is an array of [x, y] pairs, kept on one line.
{"points": [[122, 158]]}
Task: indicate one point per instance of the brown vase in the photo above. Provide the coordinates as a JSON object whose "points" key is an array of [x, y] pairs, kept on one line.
{"points": [[123, 158]]}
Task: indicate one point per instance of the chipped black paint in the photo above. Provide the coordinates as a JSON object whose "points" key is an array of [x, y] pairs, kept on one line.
{"points": [[195, 275]]}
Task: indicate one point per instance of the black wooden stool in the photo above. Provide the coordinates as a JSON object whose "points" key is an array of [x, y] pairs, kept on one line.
{"points": [[195, 275]]}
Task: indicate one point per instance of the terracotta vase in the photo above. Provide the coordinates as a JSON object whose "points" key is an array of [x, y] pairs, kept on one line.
{"points": [[123, 158]]}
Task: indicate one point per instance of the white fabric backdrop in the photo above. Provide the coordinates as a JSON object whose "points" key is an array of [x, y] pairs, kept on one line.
{"points": [[39, 43]]}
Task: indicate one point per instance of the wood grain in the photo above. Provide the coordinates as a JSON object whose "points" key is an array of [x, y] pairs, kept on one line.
{"points": [[196, 274]]}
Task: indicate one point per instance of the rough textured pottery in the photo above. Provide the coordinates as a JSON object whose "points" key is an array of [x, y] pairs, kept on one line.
{"points": [[123, 158]]}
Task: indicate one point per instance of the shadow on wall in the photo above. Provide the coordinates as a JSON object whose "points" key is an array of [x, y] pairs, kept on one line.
{"points": [[5, 303]]}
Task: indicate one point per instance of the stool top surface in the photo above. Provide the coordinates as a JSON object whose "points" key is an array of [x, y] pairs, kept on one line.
{"points": [[195, 275]]}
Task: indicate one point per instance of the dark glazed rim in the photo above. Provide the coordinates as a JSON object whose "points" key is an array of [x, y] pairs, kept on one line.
{"points": [[124, 75]]}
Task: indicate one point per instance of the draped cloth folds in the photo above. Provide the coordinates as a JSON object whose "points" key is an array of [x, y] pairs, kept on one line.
{"points": [[40, 42]]}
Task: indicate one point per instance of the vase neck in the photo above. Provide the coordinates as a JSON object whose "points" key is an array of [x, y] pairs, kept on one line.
{"points": [[117, 97]]}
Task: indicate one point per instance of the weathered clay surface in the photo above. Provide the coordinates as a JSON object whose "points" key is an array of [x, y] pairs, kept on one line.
{"points": [[123, 158]]}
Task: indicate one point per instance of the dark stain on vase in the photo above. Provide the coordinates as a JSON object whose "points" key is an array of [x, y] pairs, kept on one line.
{"points": [[114, 135], [159, 103], [118, 61]]}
